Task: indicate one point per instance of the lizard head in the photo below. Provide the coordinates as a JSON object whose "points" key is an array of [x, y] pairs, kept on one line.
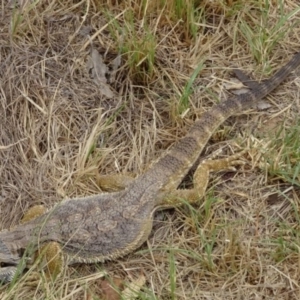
{"points": [[8, 263]]}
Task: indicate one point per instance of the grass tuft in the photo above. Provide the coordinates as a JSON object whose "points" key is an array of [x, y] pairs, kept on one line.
{"points": [[58, 129]]}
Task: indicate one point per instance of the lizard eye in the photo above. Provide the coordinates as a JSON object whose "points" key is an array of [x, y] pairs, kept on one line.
{"points": [[3, 265]]}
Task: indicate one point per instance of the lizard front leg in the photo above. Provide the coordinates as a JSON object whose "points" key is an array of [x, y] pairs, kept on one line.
{"points": [[49, 253], [51, 256]]}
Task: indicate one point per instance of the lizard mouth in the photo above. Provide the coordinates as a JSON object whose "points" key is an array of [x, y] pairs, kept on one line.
{"points": [[7, 264]]}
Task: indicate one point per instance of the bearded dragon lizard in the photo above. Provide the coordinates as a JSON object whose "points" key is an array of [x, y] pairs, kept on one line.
{"points": [[110, 225]]}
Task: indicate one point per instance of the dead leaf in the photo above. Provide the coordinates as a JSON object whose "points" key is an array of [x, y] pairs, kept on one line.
{"points": [[133, 288], [100, 68], [110, 288], [105, 90], [115, 65], [233, 84], [99, 71], [262, 105]]}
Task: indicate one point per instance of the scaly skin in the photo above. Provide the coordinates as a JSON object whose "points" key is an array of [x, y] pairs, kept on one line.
{"points": [[111, 225]]}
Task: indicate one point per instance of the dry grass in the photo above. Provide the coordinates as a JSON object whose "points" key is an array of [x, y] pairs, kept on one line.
{"points": [[58, 130]]}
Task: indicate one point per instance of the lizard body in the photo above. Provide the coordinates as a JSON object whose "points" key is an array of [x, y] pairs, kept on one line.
{"points": [[110, 225]]}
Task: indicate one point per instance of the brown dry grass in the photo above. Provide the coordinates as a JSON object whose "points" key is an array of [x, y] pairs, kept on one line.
{"points": [[57, 131]]}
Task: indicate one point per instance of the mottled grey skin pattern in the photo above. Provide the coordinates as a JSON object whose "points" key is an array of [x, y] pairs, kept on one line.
{"points": [[110, 225]]}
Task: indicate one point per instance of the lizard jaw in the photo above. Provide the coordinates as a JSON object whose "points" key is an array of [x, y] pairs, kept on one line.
{"points": [[10, 261]]}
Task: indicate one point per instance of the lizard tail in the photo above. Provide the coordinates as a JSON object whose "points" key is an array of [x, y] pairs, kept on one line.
{"points": [[180, 158]]}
